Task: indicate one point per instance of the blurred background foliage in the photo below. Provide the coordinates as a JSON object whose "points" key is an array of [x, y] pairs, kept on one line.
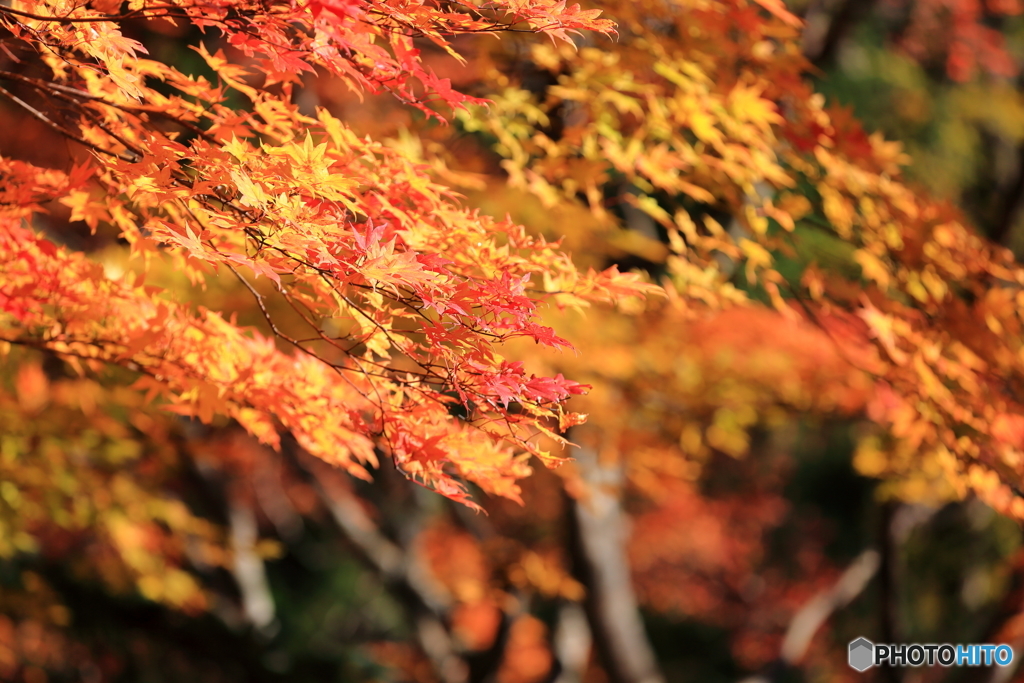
{"points": [[777, 500], [943, 77]]}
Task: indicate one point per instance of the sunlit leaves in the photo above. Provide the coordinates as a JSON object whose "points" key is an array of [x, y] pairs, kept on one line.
{"points": [[342, 228], [75, 476], [698, 123]]}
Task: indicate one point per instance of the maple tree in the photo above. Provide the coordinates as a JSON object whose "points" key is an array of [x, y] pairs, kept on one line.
{"points": [[918, 71], [309, 294], [346, 230]]}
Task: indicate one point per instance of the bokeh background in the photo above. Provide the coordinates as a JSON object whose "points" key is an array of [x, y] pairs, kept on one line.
{"points": [[742, 504]]}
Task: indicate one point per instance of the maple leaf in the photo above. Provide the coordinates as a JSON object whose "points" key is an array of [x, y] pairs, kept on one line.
{"points": [[86, 208], [555, 388], [882, 328]]}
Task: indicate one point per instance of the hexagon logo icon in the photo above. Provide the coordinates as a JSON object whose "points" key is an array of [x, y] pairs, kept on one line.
{"points": [[862, 654]]}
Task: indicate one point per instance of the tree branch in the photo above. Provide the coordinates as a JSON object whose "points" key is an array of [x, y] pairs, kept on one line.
{"points": [[825, 34], [809, 619], [427, 603], [248, 568], [598, 530]]}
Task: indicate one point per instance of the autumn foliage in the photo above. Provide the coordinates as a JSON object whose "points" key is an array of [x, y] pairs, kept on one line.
{"points": [[354, 238], [633, 226]]}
